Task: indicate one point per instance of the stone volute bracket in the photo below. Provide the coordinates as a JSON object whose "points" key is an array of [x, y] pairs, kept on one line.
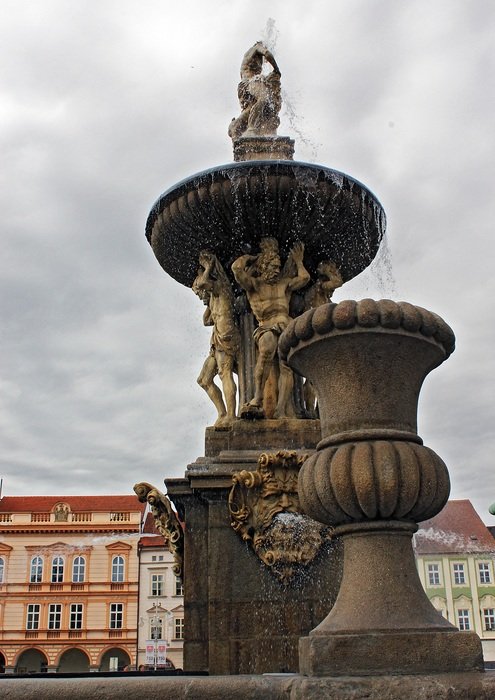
{"points": [[373, 479], [166, 522], [265, 511]]}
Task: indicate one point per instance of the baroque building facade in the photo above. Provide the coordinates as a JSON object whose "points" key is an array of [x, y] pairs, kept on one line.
{"points": [[161, 602], [68, 583], [455, 554]]}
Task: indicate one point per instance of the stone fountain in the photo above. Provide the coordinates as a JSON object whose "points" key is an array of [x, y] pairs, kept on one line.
{"points": [[295, 469], [264, 242], [258, 240]]}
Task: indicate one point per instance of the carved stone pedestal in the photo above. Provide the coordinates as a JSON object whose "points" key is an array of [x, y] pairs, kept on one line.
{"points": [[382, 621], [263, 148], [240, 617]]}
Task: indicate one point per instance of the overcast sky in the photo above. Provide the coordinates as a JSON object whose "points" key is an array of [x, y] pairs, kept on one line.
{"points": [[104, 105]]}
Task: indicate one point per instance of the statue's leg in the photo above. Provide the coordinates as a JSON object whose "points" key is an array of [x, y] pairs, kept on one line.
{"points": [[267, 347], [225, 365], [285, 384], [205, 381]]}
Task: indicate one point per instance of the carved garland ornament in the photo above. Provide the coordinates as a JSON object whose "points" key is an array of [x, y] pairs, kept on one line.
{"points": [[265, 512], [166, 521]]}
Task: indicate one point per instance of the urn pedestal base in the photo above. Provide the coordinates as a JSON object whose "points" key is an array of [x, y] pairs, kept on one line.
{"points": [[382, 620], [378, 653]]}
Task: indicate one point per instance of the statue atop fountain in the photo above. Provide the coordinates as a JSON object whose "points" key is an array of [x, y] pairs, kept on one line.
{"points": [[254, 131], [259, 95]]}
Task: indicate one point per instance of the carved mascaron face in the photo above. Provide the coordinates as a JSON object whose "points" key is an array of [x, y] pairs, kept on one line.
{"points": [[265, 511]]}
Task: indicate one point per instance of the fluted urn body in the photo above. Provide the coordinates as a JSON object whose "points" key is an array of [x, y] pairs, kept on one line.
{"points": [[373, 480]]}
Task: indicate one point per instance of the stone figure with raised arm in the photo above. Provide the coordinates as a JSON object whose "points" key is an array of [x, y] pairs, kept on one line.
{"points": [[269, 290], [213, 287], [259, 95], [327, 281]]}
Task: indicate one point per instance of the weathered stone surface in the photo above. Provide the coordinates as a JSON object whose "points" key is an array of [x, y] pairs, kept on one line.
{"points": [[373, 479], [263, 148], [239, 618], [246, 439], [151, 688], [390, 652], [453, 686], [232, 205]]}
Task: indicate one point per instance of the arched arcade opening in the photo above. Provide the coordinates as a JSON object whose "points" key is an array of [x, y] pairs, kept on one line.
{"points": [[31, 661], [73, 661], [114, 659]]}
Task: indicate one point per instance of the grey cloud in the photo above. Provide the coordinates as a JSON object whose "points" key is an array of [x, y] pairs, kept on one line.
{"points": [[106, 106]]}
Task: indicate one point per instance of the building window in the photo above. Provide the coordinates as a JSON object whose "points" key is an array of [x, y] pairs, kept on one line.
{"points": [[54, 616], [117, 569], [157, 584], [433, 574], [76, 615], [116, 616], [179, 588], [57, 570], [489, 619], [36, 574], [33, 616], [484, 572], [463, 621], [78, 570], [179, 628], [2, 569], [459, 575], [153, 558]]}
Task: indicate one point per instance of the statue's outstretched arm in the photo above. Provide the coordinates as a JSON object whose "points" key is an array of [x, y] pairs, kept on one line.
{"points": [[240, 272], [302, 276]]}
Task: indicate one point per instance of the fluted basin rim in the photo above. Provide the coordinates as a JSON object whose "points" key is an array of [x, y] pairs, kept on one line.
{"points": [[366, 314], [229, 208], [182, 185]]}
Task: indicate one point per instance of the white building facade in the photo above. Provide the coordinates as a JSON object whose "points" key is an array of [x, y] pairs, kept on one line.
{"points": [[161, 604]]}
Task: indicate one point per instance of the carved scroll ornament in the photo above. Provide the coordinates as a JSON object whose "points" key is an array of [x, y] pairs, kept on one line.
{"points": [[166, 521], [265, 512]]}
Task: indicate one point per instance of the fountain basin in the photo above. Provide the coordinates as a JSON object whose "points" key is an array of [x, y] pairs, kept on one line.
{"points": [[227, 209]]}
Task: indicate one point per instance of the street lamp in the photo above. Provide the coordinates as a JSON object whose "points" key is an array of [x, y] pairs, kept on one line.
{"points": [[156, 630]]}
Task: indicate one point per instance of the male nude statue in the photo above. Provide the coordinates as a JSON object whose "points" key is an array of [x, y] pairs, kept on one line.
{"points": [[259, 95], [269, 290], [213, 287]]}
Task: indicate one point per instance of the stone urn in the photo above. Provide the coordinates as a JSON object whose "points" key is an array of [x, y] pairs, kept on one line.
{"points": [[374, 480]]}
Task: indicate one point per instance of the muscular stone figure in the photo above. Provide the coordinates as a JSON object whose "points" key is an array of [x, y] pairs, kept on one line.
{"points": [[259, 95], [269, 290], [213, 287], [328, 280]]}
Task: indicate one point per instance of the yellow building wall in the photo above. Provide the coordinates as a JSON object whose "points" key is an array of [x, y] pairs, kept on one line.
{"points": [[98, 542]]}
